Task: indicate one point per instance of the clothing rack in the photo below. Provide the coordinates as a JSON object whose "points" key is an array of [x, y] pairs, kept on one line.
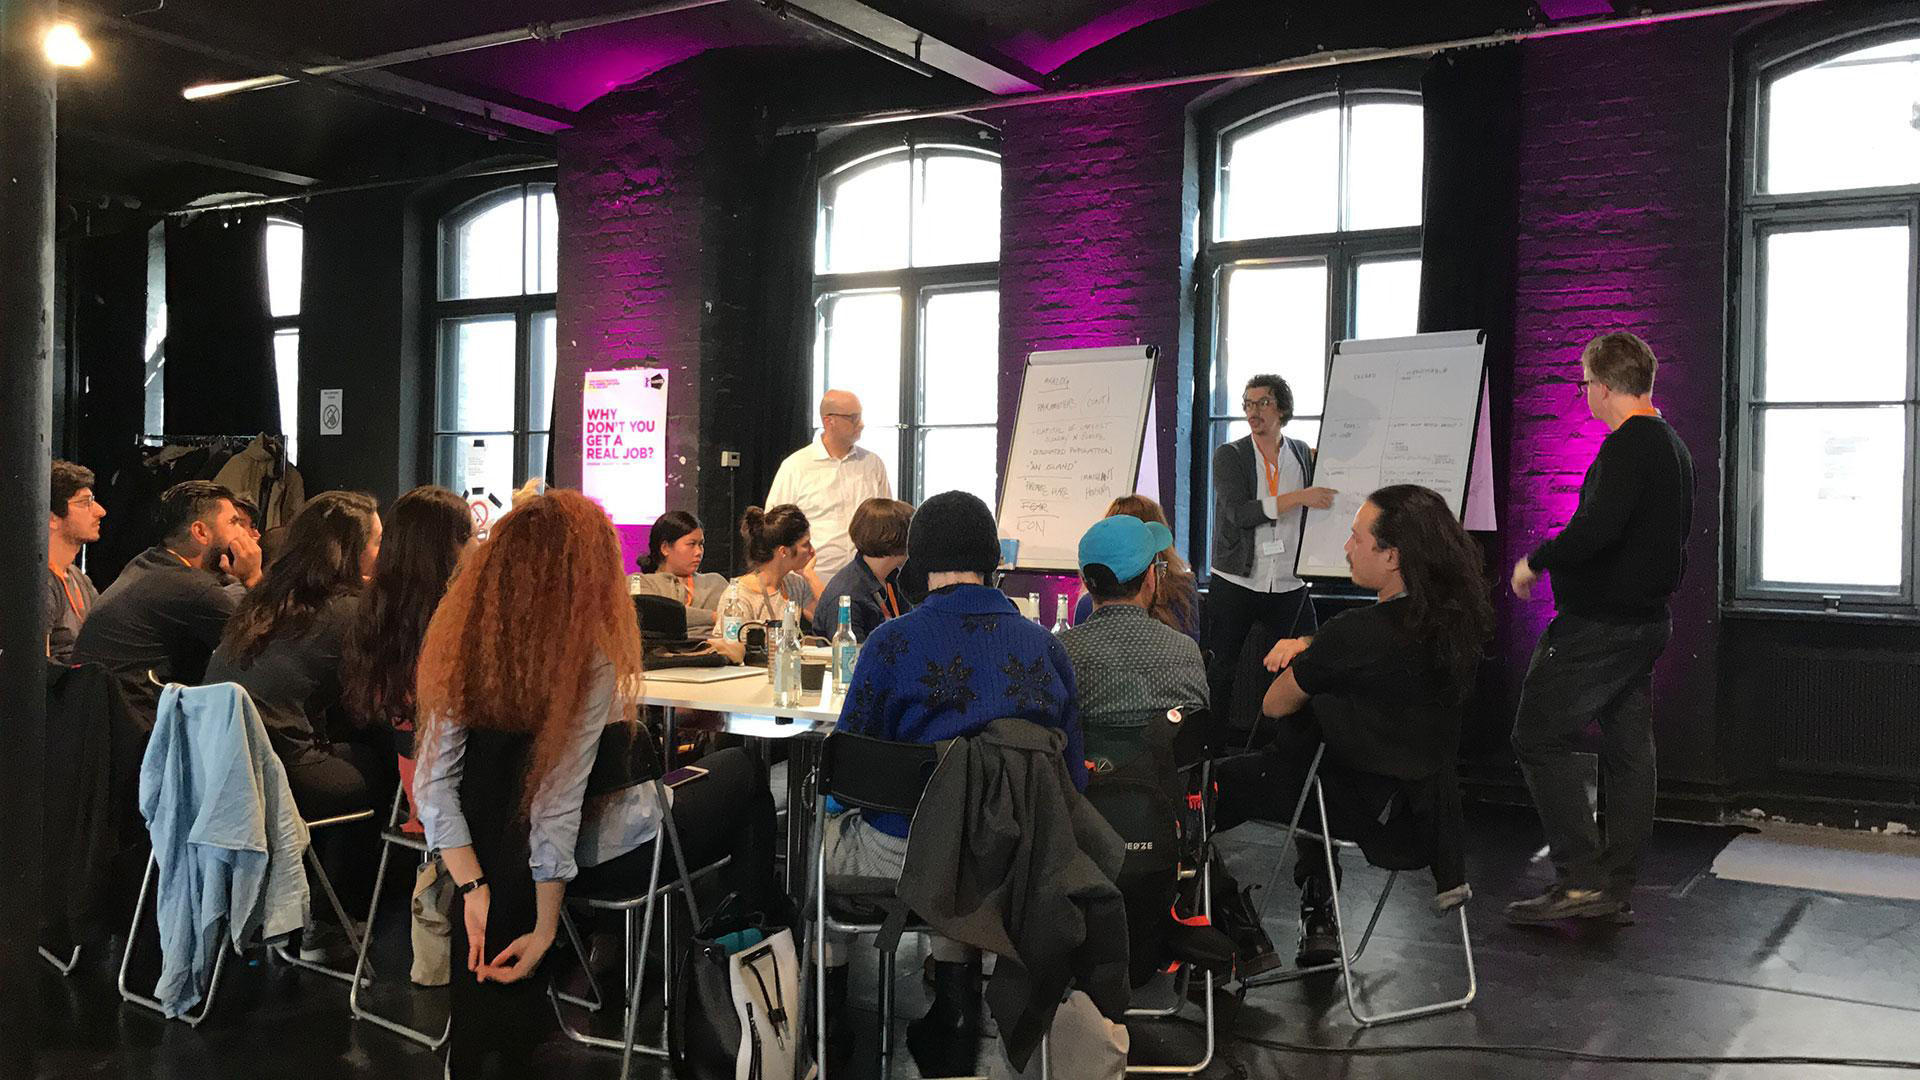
{"points": [[275, 443]]}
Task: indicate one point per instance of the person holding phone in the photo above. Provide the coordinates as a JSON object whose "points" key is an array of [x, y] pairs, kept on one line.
{"points": [[161, 619], [518, 697]]}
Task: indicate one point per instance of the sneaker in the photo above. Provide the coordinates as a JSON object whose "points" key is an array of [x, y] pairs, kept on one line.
{"points": [[1319, 938], [326, 943], [1561, 902]]}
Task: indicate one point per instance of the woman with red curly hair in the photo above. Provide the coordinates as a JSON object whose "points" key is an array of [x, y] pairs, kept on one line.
{"points": [[530, 659]]}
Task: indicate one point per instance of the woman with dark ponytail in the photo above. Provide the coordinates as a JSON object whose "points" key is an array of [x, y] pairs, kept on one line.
{"points": [[779, 547], [671, 567]]}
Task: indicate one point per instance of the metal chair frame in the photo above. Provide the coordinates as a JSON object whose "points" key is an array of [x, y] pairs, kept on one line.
{"points": [[656, 895], [194, 1019], [391, 836], [1185, 977], [1344, 965]]}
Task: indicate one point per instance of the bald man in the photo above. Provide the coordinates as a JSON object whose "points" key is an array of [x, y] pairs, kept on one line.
{"points": [[829, 478]]}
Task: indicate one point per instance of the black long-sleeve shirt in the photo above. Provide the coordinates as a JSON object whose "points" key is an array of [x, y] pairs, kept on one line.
{"points": [[1622, 554]]}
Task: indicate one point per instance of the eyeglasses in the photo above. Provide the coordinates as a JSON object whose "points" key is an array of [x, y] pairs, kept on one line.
{"points": [[1255, 403], [849, 417], [83, 502]]}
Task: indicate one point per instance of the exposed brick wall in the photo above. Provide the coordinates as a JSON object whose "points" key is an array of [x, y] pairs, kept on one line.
{"points": [[1622, 208], [632, 203], [1096, 227]]}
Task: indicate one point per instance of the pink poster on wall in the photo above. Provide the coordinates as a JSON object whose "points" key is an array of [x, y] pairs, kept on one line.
{"points": [[623, 445]]}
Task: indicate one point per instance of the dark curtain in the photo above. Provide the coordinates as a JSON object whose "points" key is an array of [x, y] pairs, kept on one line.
{"points": [[1467, 275], [769, 411], [108, 293], [219, 373]]}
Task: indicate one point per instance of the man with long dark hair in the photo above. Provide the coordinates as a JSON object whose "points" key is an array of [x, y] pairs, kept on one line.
{"points": [[1383, 686], [1614, 566]]}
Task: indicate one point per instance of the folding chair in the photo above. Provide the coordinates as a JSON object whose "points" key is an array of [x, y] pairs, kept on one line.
{"points": [[1453, 900], [642, 906], [392, 836], [319, 873], [875, 775], [64, 967]]}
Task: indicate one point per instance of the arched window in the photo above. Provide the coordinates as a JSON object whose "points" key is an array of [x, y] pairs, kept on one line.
{"points": [[494, 330], [1311, 235], [285, 247], [907, 309], [1826, 367]]}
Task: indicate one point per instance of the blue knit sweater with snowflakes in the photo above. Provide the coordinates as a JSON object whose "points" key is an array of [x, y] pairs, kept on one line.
{"points": [[955, 664]]}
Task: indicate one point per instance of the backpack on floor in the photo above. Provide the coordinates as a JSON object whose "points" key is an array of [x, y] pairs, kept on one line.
{"points": [[736, 1001]]}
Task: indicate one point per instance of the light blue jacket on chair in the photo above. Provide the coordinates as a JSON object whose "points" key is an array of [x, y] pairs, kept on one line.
{"points": [[227, 839]]}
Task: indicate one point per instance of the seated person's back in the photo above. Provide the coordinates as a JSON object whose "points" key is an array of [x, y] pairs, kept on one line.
{"points": [[965, 656], [166, 611], [1130, 667]]}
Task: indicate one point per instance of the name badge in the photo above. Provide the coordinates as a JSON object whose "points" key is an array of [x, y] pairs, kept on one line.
{"points": [[1275, 546]]}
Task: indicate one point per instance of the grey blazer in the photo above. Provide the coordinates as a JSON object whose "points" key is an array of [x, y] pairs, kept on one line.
{"points": [[1236, 511]]}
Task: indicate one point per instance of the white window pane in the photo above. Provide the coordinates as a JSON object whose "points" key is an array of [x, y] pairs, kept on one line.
{"points": [[483, 463], [959, 459], [286, 371], [960, 346], [537, 456], [482, 254], [1277, 323], [543, 241], [1832, 489], [1307, 431], [864, 218], [1836, 315], [540, 378], [1846, 123], [957, 217], [857, 347], [1386, 299], [1385, 160], [1282, 178], [284, 243], [476, 374]]}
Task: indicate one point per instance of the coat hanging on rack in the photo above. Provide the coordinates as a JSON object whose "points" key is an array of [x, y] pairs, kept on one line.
{"points": [[261, 473]]}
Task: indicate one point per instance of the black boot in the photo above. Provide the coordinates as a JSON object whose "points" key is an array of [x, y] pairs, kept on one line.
{"points": [[946, 1041], [1237, 916], [1319, 935]]}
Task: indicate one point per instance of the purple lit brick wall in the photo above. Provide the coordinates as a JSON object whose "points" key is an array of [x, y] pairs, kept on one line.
{"points": [[1096, 226], [631, 193], [1623, 202]]}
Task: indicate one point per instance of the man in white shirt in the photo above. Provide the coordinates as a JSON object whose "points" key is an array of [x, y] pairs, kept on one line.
{"points": [[829, 478]]}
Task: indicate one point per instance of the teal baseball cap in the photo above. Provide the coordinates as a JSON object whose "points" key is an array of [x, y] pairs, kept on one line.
{"points": [[1124, 544]]}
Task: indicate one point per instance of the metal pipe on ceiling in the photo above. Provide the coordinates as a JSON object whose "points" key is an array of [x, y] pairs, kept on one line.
{"points": [[346, 189], [1311, 61], [541, 31], [851, 37]]}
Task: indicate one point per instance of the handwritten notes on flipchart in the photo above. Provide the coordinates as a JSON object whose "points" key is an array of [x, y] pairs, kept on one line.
{"points": [[1076, 447], [1399, 411]]}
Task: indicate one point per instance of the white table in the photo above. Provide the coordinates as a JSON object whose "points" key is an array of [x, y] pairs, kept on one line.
{"points": [[746, 708]]}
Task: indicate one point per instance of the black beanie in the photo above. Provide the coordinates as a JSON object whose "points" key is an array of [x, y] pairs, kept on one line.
{"points": [[954, 530]]}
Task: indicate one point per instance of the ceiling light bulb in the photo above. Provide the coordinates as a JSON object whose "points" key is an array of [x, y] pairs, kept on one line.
{"points": [[65, 47]]}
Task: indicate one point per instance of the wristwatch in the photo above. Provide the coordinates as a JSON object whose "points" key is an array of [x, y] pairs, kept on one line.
{"points": [[463, 890]]}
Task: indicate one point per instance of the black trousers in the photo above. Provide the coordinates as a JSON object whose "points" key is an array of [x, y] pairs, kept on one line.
{"points": [[727, 812], [1588, 673], [1234, 614], [1266, 785], [344, 778]]}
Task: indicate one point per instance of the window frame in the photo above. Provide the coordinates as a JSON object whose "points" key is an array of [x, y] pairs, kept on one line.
{"points": [[287, 324], [1758, 215], [1342, 251], [524, 308], [915, 284]]}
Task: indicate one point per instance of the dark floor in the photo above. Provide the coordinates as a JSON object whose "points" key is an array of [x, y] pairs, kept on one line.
{"points": [[1712, 968]]}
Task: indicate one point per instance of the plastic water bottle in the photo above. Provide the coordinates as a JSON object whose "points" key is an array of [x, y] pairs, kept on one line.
{"points": [[846, 650], [731, 621], [783, 665], [1060, 623]]}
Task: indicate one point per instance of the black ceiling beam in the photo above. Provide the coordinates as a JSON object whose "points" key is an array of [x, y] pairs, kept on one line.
{"points": [[163, 152], [926, 50]]}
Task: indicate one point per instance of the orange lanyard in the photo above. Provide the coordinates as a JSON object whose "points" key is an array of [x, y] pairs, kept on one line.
{"points": [[73, 597], [689, 584], [182, 558], [1272, 467], [1648, 411], [893, 602]]}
